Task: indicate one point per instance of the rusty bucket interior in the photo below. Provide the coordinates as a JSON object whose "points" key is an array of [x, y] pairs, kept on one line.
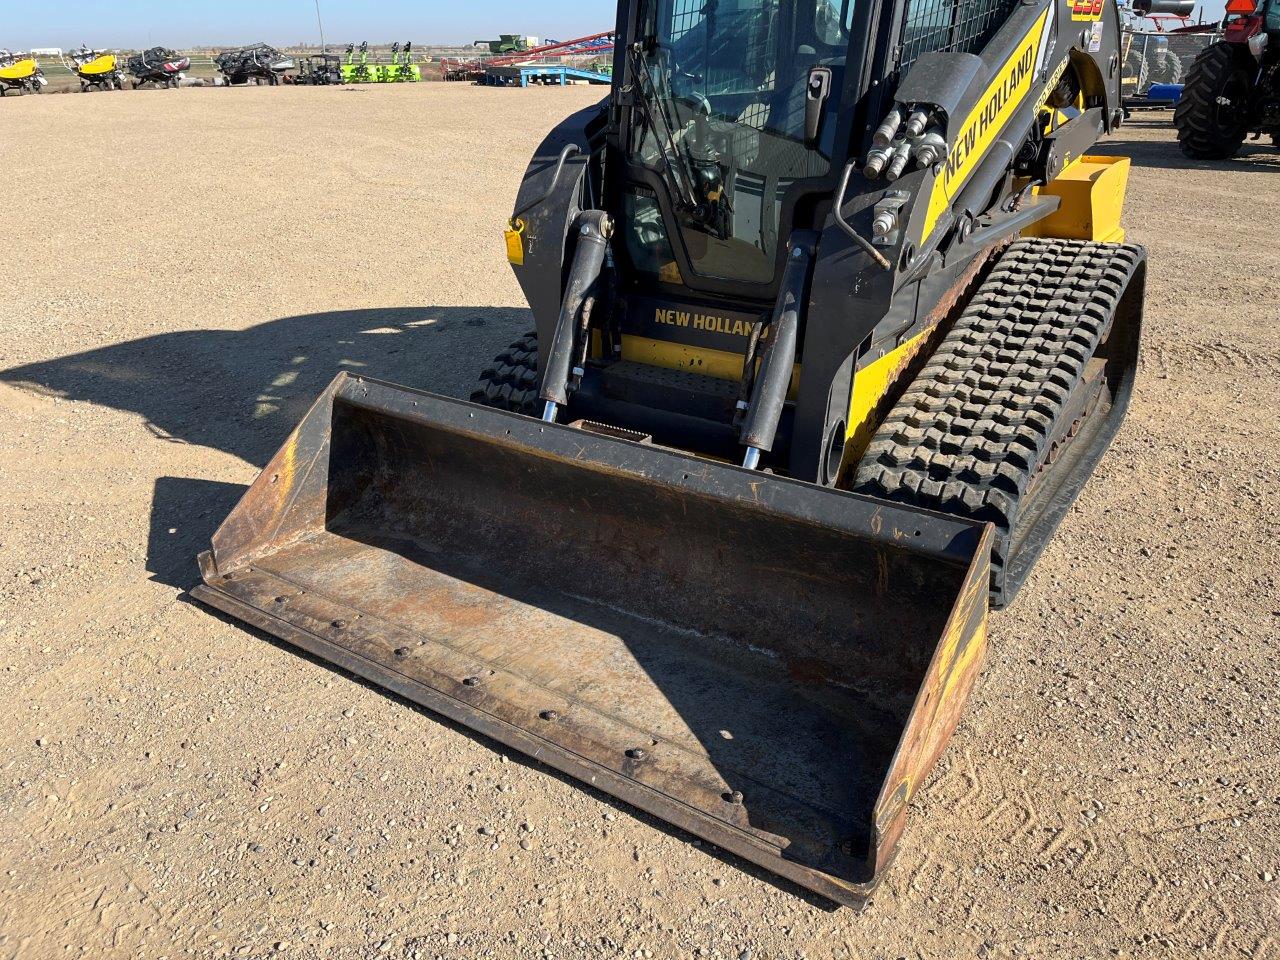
{"points": [[767, 664]]}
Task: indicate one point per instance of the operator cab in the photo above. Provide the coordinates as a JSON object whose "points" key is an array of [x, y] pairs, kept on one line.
{"points": [[732, 121]]}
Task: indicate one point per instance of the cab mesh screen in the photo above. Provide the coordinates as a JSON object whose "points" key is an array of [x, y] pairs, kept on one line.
{"points": [[685, 15], [947, 26]]}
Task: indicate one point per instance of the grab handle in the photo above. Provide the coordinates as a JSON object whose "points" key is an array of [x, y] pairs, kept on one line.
{"points": [[565, 154]]}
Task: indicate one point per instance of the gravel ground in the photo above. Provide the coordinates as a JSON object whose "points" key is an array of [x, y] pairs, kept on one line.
{"points": [[187, 270]]}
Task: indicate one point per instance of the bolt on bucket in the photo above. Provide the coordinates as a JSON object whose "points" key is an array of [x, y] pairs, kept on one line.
{"points": [[767, 664]]}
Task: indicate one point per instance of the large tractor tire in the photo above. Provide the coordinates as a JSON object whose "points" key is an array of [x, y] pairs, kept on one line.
{"points": [[1212, 117], [1137, 72], [1166, 67]]}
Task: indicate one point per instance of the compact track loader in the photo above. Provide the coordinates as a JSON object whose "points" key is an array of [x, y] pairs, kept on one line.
{"points": [[834, 319]]}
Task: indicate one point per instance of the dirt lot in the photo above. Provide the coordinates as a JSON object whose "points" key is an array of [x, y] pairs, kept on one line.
{"points": [[186, 270]]}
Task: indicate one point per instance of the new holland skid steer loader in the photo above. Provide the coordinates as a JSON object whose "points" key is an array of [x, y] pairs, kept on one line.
{"points": [[834, 319]]}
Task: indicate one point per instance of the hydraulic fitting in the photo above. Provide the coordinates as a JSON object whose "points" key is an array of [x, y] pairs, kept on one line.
{"points": [[918, 120], [930, 149], [877, 160], [888, 129], [901, 154]]}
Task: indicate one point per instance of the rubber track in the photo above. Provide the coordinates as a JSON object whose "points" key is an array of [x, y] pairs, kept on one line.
{"points": [[973, 429], [511, 383], [1196, 115]]}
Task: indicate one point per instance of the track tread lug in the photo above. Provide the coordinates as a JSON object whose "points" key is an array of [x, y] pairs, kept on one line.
{"points": [[971, 432], [510, 382]]}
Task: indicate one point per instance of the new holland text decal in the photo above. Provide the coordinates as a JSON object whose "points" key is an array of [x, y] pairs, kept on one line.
{"points": [[1007, 90], [689, 324], [732, 326]]}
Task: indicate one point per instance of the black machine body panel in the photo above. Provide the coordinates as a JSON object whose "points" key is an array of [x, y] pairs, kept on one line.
{"points": [[707, 179]]}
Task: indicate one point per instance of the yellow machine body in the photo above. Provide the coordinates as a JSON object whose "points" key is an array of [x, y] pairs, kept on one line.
{"points": [[873, 392], [98, 66], [19, 70], [1091, 191]]}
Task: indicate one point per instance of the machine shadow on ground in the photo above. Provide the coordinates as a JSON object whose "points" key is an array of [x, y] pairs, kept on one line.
{"points": [[185, 512], [1167, 155], [243, 392]]}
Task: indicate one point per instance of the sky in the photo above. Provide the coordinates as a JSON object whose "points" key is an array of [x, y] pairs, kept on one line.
{"points": [[184, 23]]}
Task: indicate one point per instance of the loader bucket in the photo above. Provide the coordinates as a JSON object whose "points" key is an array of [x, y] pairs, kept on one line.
{"points": [[767, 664]]}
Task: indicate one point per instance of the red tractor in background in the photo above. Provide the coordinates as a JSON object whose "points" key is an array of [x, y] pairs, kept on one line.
{"points": [[1234, 86]]}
